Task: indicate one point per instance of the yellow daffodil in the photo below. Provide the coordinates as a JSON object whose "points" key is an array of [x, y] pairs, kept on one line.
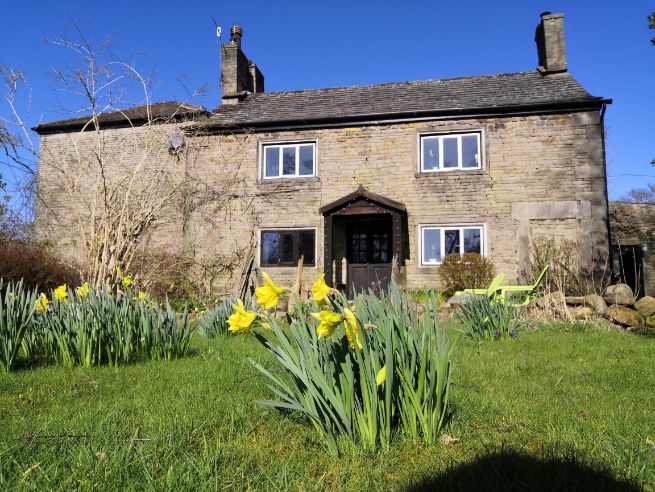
{"points": [[268, 295], [83, 290], [329, 322], [143, 297], [381, 376], [126, 281], [42, 303], [352, 333], [242, 320], [320, 290], [61, 293]]}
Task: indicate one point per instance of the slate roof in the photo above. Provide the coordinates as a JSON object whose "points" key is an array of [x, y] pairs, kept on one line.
{"points": [[487, 93], [138, 114]]}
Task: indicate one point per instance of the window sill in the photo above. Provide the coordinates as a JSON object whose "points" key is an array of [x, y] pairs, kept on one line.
{"points": [[449, 173], [295, 267], [288, 181]]}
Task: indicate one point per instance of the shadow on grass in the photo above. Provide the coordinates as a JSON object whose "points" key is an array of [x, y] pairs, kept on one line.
{"points": [[513, 471], [21, 365], [644, 332], [25, 365]]}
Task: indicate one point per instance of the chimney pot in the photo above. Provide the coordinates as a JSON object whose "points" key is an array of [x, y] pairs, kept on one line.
{"points": [[236, 33]]}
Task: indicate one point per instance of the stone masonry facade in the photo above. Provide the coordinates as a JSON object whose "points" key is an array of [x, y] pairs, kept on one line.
{"points": [[543, 172]]}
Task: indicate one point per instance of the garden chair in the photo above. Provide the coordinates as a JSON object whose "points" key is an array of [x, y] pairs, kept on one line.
{"points": [[528, 290], [491, 291]]}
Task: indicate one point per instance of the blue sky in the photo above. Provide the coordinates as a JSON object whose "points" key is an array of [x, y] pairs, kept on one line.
{"points": [[321, 44]]}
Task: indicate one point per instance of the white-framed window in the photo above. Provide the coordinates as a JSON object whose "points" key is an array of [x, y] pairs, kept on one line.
{"points": [[437, 241], [450, 151], [285, 246], [288, 160]]}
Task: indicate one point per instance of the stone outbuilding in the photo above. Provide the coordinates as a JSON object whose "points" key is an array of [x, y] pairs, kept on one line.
{"points": [[633, 245]]}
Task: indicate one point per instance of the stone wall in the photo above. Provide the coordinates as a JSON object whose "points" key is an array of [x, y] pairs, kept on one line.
{"points": [[634, 224], [70, 181], [537, 171]]}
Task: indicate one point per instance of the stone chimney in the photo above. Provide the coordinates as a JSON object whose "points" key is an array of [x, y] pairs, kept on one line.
{"points": [[239, 76], [550, 43]]}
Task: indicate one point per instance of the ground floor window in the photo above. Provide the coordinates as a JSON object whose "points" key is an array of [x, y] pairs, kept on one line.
{"points": [[284, 247], [438, 241]]}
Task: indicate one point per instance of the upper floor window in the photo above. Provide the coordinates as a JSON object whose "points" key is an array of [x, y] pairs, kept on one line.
{"points": [[450, 152], [439, 241], [289, 160]]}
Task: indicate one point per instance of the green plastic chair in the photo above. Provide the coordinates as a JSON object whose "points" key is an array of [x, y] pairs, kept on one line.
{"points": [[528, 289], [491, 291], [500, 294]]}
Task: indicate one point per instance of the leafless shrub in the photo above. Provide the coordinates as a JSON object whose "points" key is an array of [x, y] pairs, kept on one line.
{"points": [[561, 255]]}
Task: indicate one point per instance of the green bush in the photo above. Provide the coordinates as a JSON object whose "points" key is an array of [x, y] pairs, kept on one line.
{"points": [[484, 318], [467, 271], [421, 295], [181, 304], [398, 381]]}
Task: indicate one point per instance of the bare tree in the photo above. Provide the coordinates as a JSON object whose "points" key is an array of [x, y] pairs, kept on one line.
{"points": [[18, 153], [153, 191], [15, 138], [116, 186], [641, 195]]}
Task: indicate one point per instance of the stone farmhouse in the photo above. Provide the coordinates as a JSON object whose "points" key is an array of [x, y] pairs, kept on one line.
{"points": [[368, 180]]}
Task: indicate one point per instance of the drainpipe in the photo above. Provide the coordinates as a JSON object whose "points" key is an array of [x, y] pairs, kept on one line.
{"points": [[607, 196]]}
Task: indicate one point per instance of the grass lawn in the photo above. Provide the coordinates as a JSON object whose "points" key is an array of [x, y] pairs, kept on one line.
{"points": [[563, 407]]}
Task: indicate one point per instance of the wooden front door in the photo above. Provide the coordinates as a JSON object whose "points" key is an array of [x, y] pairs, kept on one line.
{"points": [[369, 254]]}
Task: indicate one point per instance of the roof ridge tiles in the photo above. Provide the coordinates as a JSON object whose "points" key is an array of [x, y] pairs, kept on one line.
{"points": [[397, 83]]}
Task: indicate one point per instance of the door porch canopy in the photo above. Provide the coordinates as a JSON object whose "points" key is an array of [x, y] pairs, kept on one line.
{"points": [[360, 202]]}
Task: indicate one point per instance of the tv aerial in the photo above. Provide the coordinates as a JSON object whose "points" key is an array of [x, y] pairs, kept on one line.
{"points": [[219, 29]]}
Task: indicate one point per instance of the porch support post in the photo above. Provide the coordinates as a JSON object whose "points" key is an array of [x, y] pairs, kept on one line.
{"points": [[327, 249], [397, 238]]}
